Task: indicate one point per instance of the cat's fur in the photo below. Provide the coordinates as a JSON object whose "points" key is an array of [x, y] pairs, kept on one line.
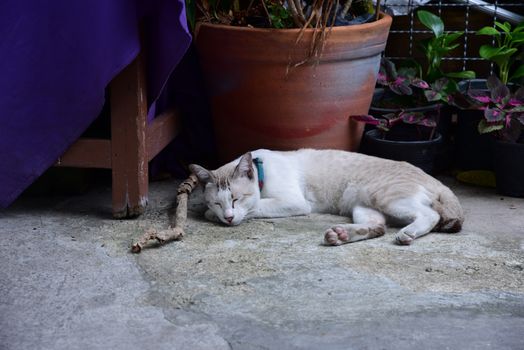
{"points": [[368, 189]]}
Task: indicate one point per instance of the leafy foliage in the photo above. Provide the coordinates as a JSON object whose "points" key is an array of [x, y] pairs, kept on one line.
{"points": [[279, 14], [387, 121], [404, 81], [503, 110], [504, 52], [439, 46], [284, 13]]}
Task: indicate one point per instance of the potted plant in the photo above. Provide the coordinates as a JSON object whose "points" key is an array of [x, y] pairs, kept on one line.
{"points": [[503, 118], [473, 149], [408, 105], [283, 74], [404, 123]]}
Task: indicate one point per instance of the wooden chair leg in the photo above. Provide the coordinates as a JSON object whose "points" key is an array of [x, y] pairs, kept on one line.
{"points": [[129, 159]]}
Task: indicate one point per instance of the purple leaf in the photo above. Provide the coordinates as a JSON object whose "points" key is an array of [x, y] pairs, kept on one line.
{"points": [[368, 119], [412, 117], [519, 94], [405, 89], [420, 83], [382, 78], [432, 95], [499, 93], [429, 122], [389, 68], [440, 84], [493, 115], [493, 82], [401, 89], [515, 102], [392, 118], [479, 96]]}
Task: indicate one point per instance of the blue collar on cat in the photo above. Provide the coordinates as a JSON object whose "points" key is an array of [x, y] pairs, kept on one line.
{"points": [[260, 170]]}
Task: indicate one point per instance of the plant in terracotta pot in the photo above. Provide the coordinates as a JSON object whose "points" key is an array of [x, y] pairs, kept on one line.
{"points": [[286, 74], [415, 96], [503, 118]]}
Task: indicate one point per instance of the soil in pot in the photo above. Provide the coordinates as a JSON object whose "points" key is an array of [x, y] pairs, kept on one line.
{"points": [[508, 161], [401, 145]]}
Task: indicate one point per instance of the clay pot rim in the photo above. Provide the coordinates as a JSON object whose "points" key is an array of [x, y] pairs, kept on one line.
{"points": [[384, 20]]}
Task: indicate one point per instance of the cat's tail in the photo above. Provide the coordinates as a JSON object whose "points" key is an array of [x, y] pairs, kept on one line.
{"points": [[450, 211]]}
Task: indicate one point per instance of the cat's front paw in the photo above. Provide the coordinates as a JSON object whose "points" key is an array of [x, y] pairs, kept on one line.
{"points": [[347, 233], [404, 238]]}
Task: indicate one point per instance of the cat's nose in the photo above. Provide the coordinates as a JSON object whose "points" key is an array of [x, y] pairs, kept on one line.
{"points": [[229, 219]]}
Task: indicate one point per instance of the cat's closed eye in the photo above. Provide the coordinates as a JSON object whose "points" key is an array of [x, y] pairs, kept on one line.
{"points": [[220, 205]]}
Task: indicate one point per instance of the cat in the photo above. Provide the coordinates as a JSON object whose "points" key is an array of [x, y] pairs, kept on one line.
{"points": [[372, 191]]}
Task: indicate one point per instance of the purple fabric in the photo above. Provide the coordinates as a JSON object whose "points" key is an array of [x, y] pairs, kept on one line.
{"points": [[57, 57]]}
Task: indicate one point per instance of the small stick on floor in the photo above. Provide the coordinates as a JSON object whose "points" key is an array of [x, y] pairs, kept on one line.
{"points": [[176, 230]]}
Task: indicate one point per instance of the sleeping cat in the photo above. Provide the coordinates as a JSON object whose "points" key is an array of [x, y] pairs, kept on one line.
{"points": [[372, 191]]}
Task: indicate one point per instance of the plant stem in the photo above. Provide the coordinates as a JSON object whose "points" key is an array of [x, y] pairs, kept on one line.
{"points": [[267, 12], [294, 13], [346, 8], [377, 11], [432, 133]]}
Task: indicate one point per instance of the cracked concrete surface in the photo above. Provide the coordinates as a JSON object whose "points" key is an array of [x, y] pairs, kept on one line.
{"points": [[68, 281]]}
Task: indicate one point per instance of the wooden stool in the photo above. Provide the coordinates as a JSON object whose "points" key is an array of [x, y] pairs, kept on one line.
{"points": [[133, 142]]}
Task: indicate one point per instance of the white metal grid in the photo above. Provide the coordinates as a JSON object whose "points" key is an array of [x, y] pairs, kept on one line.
{"points": [[498, 10]]}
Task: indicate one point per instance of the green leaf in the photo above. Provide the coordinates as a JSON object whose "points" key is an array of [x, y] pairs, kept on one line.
{"points": [[449, 48], [431, 21], [488, 31], [466, 74], [506, 27], [488, 51], [449, 38], [519, 73], [485, 127], [517, 38], [499, 55], [191, 13]]}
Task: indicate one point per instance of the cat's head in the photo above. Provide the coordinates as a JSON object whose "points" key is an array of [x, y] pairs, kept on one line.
{"points": [[231, 191]]}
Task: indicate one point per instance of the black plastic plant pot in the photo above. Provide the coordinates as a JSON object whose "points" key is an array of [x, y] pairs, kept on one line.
{"points": [[473, 150], [508, 161], [419, 153]]}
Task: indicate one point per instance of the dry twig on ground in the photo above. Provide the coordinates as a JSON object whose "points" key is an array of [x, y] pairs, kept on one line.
{"points": [[176, 228]]}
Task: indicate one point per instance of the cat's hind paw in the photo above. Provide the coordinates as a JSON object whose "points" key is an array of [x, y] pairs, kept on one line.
{"points": [[336, 235]]}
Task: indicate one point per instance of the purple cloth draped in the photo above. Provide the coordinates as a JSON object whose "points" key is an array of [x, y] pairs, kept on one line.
{"points": [[57, 57]]}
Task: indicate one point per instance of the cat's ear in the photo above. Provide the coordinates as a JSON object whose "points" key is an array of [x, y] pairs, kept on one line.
{"points": [[244, 167], [204, 175]]}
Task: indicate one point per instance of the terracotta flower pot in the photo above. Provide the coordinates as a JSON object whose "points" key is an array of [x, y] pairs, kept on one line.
{"points": [[260, 99]]}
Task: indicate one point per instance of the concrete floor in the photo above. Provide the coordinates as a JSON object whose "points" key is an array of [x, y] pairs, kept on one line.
{"points": [[69, 281]]}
